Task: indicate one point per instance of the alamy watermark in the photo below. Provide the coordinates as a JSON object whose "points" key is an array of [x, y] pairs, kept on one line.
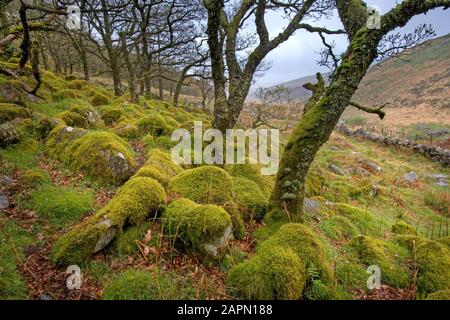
{"points": [[236, 142], [74, 279], [374, 280]]}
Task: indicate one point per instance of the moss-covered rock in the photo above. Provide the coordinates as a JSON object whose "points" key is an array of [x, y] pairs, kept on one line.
{"points": [[159, 166], [111, 114], [143, 285], [391, 258], [77, 84], [72, 119], [205, 229], [253, 173], [101, 155], [99, 100], [206, 184], [433, 260], [239, 231], [126, 129], [273, 273], [154, 124], [304, 243], [250, 199], [135, 201], [9, 112], [361, 219], [439, 295], [401, 227], [90, 114], [126, 242], [338, 228]]}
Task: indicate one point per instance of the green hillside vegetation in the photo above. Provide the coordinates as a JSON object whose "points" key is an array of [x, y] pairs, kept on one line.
{"points": [[94, 185]]}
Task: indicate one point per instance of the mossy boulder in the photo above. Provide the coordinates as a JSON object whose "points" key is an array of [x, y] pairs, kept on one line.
{"points": [[77, 84], [304, 243], [433, 259], [206, 184], [159, 166], [9, 134], [154, 124], [273, 273], [9, 112], [205, 229], [126, 129], [250, 199], [143, 285], [99, 100], [111, 114], [338, 228], [72, 119], [133, 203], [253, 173], [101, 155], [90, 114], [391, 258], [439, 295], [401, 227]]}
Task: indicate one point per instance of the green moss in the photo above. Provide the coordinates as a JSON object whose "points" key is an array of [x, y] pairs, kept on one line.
{"points": [[91, 116], [99, 100], [391, 259], [206, 184], [314, 184], [250, 199], [77, 84], [351, 276], [65, 94], [361, 219], [154, 124], [135, 200], [10, 112], [305, 244], [239, 231], [13, 240], [197, 226], [274, 273], [338, 228], [101, 155], [433, 259], [401, 227], [159, 166], [35, 177], [439, 295], [126, 129], [125, 244], [60, 206], [253, 173], [72, 119], [142, 285], [111, 115], [408, 241]]}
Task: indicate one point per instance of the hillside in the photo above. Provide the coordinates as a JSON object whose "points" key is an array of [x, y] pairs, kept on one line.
{"points": [[89, 181], [420, 77]]}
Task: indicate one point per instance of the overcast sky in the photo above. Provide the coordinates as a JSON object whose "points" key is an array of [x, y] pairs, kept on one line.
{"points": [[297, 57]]}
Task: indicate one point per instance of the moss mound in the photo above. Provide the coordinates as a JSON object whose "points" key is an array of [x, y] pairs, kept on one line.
{"points": [[401, 227], [253, 173], [439, 295], [66, 94], [126, 129], [101, 155], [360, 218], [203, 228], [111, 115], [433, 259], [135, 200], [10, 112], [99, 100], [274, 273], [304, 243], [250, 199], [154, 124], [90, 114], [72, 119], [159, 166], [77, 84], [338, 228], [207, 184], [391, 259], [142, 285]]}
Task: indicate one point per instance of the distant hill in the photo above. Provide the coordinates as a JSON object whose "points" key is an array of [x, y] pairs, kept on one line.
{"points": [[418, 77]]}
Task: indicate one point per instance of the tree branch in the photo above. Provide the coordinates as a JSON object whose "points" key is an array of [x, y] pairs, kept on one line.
{"points": [[379, 111]]}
